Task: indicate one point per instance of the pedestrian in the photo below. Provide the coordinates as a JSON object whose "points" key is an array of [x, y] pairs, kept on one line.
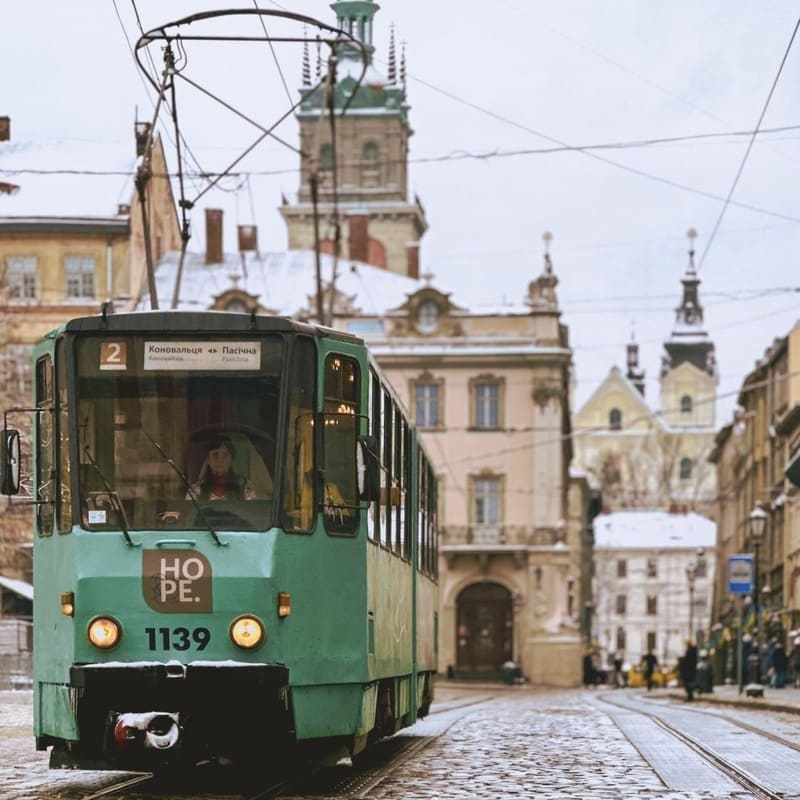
{"points": [[778, 664], [688, 669], [650, 663], [589, 676], [795, 658], [619, 680]]}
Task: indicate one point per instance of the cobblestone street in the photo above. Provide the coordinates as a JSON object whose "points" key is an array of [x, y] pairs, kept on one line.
{"points": [[480, 742]]}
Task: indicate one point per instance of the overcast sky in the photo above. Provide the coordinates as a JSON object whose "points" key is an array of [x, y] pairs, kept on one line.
{"points": [[496, 91]]}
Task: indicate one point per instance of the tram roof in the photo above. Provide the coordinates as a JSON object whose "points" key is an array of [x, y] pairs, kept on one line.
{"points": [[193, 321]]}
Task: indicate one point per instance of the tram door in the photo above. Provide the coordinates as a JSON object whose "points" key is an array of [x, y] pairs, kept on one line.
{"points": [[484, 628]]}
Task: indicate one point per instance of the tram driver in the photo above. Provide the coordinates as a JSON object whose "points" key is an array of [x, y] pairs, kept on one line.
{"points": [[218, 480]]}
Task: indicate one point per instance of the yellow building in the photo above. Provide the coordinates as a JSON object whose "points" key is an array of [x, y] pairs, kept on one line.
{"points": [[753, 455], [71, 238], [656, 459]]}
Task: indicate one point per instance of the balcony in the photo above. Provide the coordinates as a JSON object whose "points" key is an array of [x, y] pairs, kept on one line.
{"points": [[486, 540]]}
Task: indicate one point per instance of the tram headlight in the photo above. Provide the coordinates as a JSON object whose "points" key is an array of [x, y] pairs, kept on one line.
{"points": [[104, 632], [247, 632]]}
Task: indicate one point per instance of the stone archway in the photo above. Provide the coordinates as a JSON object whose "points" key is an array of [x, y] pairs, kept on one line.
{"points": [[484, 630]]}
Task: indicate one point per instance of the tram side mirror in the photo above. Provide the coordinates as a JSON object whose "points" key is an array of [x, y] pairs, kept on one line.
{"points": [[9, 461], [367, 472]]}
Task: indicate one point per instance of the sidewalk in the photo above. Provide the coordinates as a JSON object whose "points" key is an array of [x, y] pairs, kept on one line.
{"points": [[786, 699]]}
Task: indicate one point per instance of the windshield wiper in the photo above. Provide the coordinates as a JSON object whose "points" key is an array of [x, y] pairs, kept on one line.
{"points": [[113, 497], [188, 486]]}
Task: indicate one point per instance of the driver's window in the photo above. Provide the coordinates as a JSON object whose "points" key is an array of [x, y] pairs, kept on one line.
{"points": [[342, 409], [45, 447]]}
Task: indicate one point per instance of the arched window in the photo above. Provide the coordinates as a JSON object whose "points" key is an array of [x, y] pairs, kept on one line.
{"points": [[686, 468], [615, 419], [326, 157], [370, 164], [686, 404]]}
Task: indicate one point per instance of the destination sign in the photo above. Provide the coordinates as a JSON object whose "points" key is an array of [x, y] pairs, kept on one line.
{"points": [[202, 355]]}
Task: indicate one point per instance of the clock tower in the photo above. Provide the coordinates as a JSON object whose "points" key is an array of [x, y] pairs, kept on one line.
{"points": [[360, 158]]}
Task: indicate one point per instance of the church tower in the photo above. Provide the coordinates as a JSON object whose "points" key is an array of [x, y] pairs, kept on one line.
{"points": [[366, 151], [689, 376]]}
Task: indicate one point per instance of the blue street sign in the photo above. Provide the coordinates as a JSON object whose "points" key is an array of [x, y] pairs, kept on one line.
{"points": [[740, 574]]}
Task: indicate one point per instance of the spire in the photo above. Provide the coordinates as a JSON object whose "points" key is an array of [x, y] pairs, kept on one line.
{"points": [[306, 62], [403, 66], [392, 69], [689, 340], [690, 312]]}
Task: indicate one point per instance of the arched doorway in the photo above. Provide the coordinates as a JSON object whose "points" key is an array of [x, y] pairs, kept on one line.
{"points": [[484, 630]]}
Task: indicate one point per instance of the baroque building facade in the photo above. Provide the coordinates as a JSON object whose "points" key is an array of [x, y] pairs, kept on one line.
{"points": [[647, 459]]}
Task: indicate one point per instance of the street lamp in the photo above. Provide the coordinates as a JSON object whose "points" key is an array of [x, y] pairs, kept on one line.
{"points": [[758, 524], [691, 575]]}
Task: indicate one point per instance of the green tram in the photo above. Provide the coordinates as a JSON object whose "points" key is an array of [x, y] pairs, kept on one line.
{"points": [[234, 547]]}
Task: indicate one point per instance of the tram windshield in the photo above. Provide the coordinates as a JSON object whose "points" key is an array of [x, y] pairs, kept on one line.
{"points": [[177, 432]]}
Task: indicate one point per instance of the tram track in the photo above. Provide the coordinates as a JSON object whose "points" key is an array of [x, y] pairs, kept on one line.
{"points": [[735, 772]]}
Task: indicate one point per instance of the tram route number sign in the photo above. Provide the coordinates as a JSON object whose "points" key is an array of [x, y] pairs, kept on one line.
{"points": [[740, 574]]}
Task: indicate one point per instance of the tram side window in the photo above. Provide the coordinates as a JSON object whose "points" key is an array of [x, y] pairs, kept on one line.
{"points": [[386, 471], [45, 447], [298, 501], [426, 533], [376, 397], [65, 498], [342, 409]]}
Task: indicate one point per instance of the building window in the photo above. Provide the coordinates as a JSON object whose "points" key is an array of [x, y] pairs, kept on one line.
{"points": [[21, 273], [621, 640], [80, 277], [485, 501], [615, 419], [621, 604], [370, 165], [686, 469], [652, 568], [427, 403], [326, 157], [651, 641], [427, 316], [686, 404], [652, 606], [486, 398], [622, 568]]}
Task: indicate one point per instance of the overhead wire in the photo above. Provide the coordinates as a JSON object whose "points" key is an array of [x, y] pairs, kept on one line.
{"points": [[740, 170]]}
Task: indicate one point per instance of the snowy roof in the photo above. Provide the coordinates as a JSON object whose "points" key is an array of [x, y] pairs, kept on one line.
{"points": [[64, 178], [21, 588], [653, 529], [285, 284]]}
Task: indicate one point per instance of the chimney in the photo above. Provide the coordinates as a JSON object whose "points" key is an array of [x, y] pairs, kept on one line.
{"points": [[141, 131], [5, 129], [214, 252], [248, 238], [359, 237], [412, 259]]}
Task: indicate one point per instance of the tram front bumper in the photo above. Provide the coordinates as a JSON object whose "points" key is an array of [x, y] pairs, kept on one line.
{"points": [[148, 710]]}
